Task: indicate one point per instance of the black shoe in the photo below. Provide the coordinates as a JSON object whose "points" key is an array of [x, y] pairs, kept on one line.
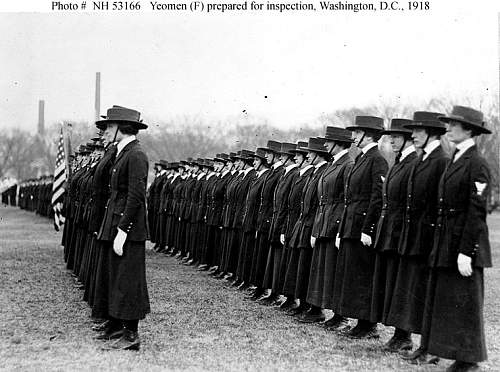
{"points": [[458, 366], [269, 300], [256, 294], [398, 344], [297, 311], [101, 327], [419, 357], [128, 341], [236, 283], [110, 334], [243, 286], [363, 332], [336, 323], [312, 318], [288, 304]]}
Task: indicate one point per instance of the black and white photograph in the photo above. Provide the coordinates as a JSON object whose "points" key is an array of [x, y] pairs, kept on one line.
{"points": [[250, 185]]}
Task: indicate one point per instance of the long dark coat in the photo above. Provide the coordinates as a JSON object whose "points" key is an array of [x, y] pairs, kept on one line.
{"points": [[291, 256], [247, 257], [126, 209], [453, 325], [355, 262], [407, 307], [394, 191], [301, 235], [326, 222]]}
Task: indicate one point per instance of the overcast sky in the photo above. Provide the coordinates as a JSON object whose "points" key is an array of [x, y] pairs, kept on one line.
{"points": [[218, 66]]}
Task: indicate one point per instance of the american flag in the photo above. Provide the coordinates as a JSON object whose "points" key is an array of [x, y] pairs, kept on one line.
{"points": [[58, 187]]}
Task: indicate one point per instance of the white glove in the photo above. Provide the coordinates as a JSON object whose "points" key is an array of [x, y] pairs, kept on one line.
{"points": [[282, 239], [464, 264], [366, 239], [337, 241], [313, 241], [119, 242]]}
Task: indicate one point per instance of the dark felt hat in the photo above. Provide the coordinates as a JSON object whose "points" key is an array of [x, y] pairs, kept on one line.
{"points": [[301, 148], [337, 134], [398, 126], [173, 165], [232, 155], [119, 114], [468, 116], [272, 146], [287, 147], [222, 157], [260, 153], [83, 150], [244, 155], [427, 120], [317, 145], [372, 123]]}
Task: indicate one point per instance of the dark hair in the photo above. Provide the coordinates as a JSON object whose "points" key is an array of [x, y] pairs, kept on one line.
{"points": [[434, 132], [344, 145], [375, 135], [127, 129], [248, 161]]}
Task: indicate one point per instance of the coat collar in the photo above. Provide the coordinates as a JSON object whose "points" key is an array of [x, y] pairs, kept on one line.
{"points": [[455, 166], [127, 147], [421, 165]]}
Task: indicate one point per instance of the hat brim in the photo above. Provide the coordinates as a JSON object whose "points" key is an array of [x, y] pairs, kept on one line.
{"points": [[447, 119], [299, 151], [337, 139], [396, 131], [102, 124], [359, 127], [424, 125], [267, 149], [325, 152]]}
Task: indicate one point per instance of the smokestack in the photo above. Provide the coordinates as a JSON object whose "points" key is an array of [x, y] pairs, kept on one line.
{"points": [[41, 117], [97, 105]]}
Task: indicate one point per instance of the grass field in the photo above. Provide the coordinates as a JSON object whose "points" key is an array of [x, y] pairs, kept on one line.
{"points": [[197, 323]]}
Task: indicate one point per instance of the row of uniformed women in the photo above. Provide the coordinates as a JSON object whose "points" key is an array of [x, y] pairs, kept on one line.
{"points": [[404, 246]]}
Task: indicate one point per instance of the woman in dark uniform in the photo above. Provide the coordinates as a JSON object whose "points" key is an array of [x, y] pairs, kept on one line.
{"points": [[326, 223], [389, 231], [124, 230], [453, 324], [363, 204]]}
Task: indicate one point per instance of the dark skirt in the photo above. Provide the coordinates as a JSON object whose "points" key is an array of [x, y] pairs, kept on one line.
{"points": [[384, 281], [101, 284], [322, 277], [128, 297], [303, 272], [246, 256], [292, 266], [454, 326], [272, 273], [213, 246], [259, 259], [408, 300], [285, 254], [354, 280]]}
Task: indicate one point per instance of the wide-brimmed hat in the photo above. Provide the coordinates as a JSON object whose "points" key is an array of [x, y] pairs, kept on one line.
{"points": [[371, 123], [286, 148], [260, 153], [317, 145], [337, 134], [468, 116], [222, 158], [398, 126], [427, 120], [232, 156], [272, 146], [244, 155], [173, 165], [301, 148], [119, 114]]}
